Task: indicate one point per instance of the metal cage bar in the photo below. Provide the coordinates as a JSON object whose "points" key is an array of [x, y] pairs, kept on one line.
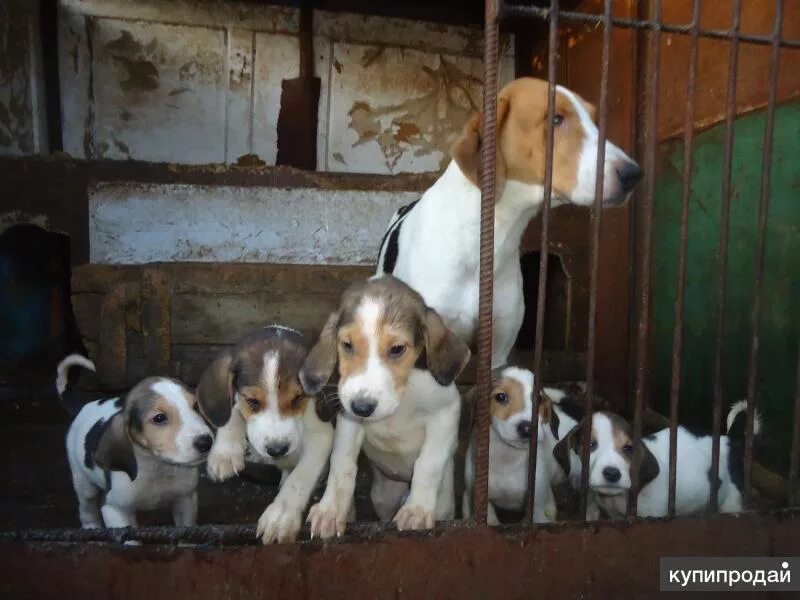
{"points": [[677, 334], [794, 460], [722, 256]]}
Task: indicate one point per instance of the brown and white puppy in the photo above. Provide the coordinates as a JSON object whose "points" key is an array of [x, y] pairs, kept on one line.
{"points": [[397, 363], [432, 244], [140, 451], [253, 394]]}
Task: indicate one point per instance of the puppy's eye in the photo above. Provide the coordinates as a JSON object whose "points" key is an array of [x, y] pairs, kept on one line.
{"points": [[501, 398], [397, 350], [347, 346], [558, 120], [253, 403], [297, 400], [592, 445], [159, 419], [627, 449]]}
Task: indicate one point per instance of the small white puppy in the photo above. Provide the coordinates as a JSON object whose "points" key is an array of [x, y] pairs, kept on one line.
{"points": [[137, 452], [253, 394], [612, 452], [397, 363]]}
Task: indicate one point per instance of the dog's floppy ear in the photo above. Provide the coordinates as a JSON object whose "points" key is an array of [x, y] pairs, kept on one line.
{"points": [[547, 413], [466, 150], [215, 390], [446, 354], [321, 360], [648, 465], [564, 447], [115, 449]]}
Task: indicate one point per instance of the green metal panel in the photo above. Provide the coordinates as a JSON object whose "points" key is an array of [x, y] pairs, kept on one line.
{"points": [[780, 321]]}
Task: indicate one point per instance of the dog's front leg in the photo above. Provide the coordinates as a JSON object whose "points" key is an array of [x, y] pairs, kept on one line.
{"points": [[226, 458], [184, 510], [329, 515], [117, 516], [282, 519], [436, 454]]}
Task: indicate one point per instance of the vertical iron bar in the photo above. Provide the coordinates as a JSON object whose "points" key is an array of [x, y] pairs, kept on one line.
{"points": [[651, 137], [552, 63], [488, 169], [722, 252], [677, 333], [794, 459], [763, 211], [594, 264]]}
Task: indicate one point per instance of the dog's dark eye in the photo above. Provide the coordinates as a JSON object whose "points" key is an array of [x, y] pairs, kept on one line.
{"points": [[397, 350], [627, 449], [501, 398], [558, 120], [159, 419], [253, 403], [347, 346], [592, 445], [297, 400]]}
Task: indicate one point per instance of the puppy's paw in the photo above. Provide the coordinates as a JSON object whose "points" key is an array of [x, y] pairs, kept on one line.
{"points": [[413, 517], [279, 523], [326, 520], [224, 462]]}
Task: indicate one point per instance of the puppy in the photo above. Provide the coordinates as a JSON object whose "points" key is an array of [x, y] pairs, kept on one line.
{"points": [[253, 394], [397, 362], [432, 244], [511, 407], [140, 451], [612, 451]]}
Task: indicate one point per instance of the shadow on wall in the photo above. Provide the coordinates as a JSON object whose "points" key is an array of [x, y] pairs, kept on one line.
{"points": [[37, 325]]}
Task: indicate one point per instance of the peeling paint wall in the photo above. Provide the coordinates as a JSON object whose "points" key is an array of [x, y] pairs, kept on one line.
{"points": [[22, 122], [199, 82]]}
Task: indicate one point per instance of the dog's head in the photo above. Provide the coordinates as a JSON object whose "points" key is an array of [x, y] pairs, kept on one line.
{"points": [[521, 143], [511, 407], [612, 454], [260, 376], [159, 415], [380, 332]]}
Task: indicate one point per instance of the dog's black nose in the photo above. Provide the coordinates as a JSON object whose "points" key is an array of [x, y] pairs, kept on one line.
{"points": [[629, 175], [363, 407], [203, 443], [524, 429], [277, 450], [612, 474]]}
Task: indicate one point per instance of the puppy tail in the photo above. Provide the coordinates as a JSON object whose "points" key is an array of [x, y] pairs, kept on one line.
{"points": [[63, 384], [737, 420]]}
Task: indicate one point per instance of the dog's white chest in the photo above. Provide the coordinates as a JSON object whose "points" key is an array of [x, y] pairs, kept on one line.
{"points": [[394, 444], [508, 476]]}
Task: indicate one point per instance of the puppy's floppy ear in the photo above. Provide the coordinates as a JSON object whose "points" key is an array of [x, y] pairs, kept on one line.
{"points": [[648, 467], [547, 413], [564, 447], [446, 354], [115, 449], [321, 360], [466, 150], [215, 390]]}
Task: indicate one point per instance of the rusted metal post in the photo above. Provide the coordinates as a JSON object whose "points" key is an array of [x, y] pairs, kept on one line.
{"points": [[488, 180], [722, 256], [677, 333], [646, 202], [594, 254], [552, 62], [763, 211]]}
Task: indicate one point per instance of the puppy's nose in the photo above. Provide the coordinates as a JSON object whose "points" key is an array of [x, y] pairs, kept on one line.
{"points": [[363, 407], [612, 474], [203, 443], [524, 429], [629, 175], [276, 450]]}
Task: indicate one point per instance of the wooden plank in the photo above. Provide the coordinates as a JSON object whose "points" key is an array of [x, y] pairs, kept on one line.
{"points": [[100, 279], [111, 359], [156, 320]]}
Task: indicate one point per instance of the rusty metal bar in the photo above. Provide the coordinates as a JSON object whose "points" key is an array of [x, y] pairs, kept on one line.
{"points": [[538, 12], [763, 213], [677, 334], [722, 254], [488, 171], [552, 63], [642, 367], [794, 459], [594, 254]]}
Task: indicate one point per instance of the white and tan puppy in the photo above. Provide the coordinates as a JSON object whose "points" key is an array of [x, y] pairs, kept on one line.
{"points": [[511, 408], [253, 393], [432, 244], [396, 362], [612, 452], [140, 451]]}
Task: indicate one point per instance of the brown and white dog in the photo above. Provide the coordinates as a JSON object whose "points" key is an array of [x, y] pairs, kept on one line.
{"points": [[432, 244], [396, 362], [253, 394], [140, 451]]}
